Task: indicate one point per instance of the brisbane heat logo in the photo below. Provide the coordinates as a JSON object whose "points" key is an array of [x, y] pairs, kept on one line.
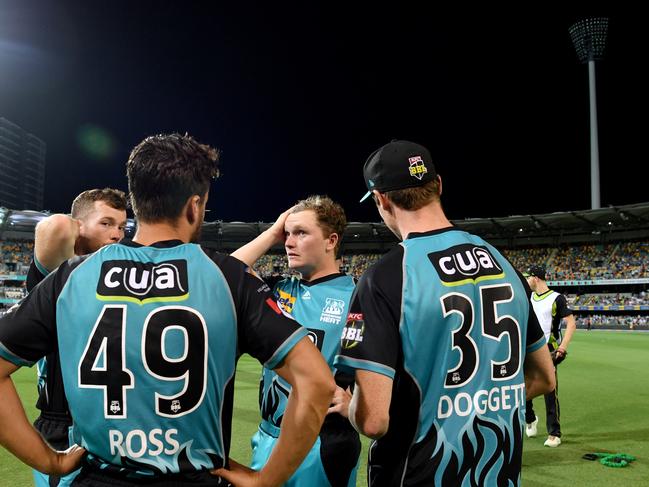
{"points": [[465, 263], [143, 282]]}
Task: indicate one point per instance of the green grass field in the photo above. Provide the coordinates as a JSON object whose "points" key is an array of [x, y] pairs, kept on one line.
{"points": [[604, 391]]}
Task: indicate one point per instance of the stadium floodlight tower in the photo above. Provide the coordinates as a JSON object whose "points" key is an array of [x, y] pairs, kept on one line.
{"points": [[589, 39]]}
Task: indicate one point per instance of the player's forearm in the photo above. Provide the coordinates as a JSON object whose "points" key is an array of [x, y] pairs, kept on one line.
{"points": [[252, 251], [54, 240], [301, 423], [539, 373], [370, 404], [571, 326], [16, 433]]}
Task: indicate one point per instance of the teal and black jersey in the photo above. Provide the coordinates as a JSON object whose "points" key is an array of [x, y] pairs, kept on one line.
{"points": [[321, 307], [51, 396], [448, 318], [148, 339]]}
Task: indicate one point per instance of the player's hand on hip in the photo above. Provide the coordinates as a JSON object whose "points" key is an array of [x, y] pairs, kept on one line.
{"points": [[340, 402], [239, 475], [66, 461]]}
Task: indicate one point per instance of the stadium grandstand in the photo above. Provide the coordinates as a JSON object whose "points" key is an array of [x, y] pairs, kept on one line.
{"points": [[598, 258]]}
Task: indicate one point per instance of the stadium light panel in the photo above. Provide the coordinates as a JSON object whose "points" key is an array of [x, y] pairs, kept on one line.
{"points": [[589, 38]]}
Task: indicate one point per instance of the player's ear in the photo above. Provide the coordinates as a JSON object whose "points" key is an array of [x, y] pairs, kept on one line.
{"points": [[193, 209], [382, 201], [332, 241]]}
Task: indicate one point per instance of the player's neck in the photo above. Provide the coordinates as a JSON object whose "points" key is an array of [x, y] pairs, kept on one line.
{"points": [[150, 233], [326, 270], [426, 219]]}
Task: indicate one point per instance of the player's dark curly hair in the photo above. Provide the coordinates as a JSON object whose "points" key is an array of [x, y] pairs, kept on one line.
{"points": [[164, 171]]}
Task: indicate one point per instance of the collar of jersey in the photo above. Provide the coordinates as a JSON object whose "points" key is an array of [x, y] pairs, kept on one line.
{"points": [[541, 297], [431, 232], [162, 244], [322, 279]]}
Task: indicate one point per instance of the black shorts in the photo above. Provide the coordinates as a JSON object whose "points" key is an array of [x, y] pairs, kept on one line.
{"points": [[54, 427], [90, 477]]}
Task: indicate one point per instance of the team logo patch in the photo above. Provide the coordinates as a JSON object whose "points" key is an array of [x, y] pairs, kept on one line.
{"points": [[286, 301], [353, 331], [465, 264], [143, 282], [332, 311], [417, 167]]}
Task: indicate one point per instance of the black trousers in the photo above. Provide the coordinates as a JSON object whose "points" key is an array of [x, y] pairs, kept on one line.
{"points": [[552, 410]]}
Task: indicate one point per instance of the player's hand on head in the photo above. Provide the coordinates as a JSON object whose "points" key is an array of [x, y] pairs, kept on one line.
{"points": [[340, 401], [66, 461], [239, 475], [277, 228]]}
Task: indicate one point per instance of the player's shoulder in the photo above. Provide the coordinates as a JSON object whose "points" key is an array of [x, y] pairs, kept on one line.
{"points": [[388, 268], [225, 262]]}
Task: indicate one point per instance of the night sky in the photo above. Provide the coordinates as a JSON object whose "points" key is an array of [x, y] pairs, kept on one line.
{"points": [[296, 97]]}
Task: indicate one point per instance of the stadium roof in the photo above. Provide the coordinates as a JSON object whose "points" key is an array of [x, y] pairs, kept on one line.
{"points": [[611, 219], [604, 224]]}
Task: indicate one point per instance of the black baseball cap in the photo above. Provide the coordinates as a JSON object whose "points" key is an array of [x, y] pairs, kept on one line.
{"points": [[536, 270], [398, 165]]}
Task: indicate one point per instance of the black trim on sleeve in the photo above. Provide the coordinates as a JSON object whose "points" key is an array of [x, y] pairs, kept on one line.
{"points": [[262, 327], [29, 330], [34, 276], [563, 309], [376, 309]]}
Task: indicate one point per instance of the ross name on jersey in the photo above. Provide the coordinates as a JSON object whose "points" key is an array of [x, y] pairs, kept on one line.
{"points": [[138, 443]]}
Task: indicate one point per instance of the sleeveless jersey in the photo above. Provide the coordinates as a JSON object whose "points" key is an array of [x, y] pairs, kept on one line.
{"points": [[550, 307]]}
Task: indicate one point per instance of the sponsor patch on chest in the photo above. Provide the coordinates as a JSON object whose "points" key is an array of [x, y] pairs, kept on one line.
{"points": [[140, 282], [464, 263]]}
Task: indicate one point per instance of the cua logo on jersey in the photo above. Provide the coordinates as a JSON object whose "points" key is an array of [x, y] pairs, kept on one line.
{"points": [[332, 311], [417, 167], [143, 282], [175, 405], [465, 263], [353, 331], [114, 407]]}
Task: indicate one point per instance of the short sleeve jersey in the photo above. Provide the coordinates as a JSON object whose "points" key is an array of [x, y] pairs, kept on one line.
{"points": [[148, 339], [51, 395], [448, 318], [321, 307]]}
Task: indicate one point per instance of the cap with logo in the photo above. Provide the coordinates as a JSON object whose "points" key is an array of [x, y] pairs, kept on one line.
{"points": [[398, 165], [536, 270]]}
